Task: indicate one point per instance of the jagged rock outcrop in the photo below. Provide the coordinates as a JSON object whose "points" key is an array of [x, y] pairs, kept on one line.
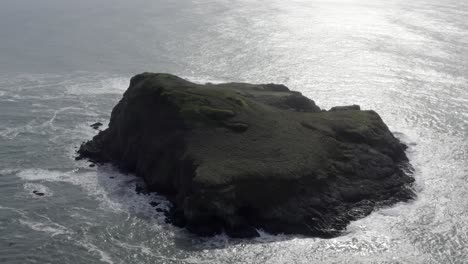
{"points": [[238, 157]]}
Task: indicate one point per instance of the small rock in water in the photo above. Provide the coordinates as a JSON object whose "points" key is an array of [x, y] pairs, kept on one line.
{"points": [[38, 193], [92, 165], [237, 126], [159, 210], [96, 125], [154, 204]]}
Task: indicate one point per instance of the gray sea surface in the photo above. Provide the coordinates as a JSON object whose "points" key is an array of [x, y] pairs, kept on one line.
{"points": [[64, 65]]}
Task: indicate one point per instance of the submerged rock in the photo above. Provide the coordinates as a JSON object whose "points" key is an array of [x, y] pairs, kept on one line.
{"points": [[96, 125], [238, 157]]}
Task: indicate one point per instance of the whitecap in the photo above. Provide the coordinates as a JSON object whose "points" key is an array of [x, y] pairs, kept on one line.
{"points": [[16, 210], [41, 175], [8, 171], [104, 256], [40, 105], [113, 85], [32, 126], [53, 229], [147, 251]]}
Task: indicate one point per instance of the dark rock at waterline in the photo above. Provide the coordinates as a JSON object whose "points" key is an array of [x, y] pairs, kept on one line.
{"points": [[96, 125], [345, 108], [140, 190], [237, 157], [38, 193]]}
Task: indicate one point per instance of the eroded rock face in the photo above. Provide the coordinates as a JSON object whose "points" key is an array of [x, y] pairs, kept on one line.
{"points": [[237, 157]]}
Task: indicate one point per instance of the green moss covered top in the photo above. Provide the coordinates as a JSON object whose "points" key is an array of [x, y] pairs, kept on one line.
{"points": [[262, 130]]}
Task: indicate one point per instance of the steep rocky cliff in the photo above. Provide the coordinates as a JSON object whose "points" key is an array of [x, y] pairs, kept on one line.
{"points": [[238, 157]]}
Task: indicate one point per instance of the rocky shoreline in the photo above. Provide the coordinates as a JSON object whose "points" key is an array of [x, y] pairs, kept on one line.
{"points": [[237, 157]]}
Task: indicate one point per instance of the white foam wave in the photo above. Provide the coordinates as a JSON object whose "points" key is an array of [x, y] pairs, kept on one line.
{"points": [[39, 105], [18, 211], [150, 253], [114, 85], [104, 256], [31, 127], [40, 188], [12, 132], [53, 229], [8, 171], [115, 191], [143, 249], [41, 175]]}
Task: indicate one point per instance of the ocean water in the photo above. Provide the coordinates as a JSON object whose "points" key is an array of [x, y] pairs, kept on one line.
{"points": [[64, 65]]}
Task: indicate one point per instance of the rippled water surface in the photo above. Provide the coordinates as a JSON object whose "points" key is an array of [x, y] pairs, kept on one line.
{"points": [[64, 65]]}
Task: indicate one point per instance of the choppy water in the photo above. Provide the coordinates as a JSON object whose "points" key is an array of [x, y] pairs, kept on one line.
{"points": [[64, 64]]}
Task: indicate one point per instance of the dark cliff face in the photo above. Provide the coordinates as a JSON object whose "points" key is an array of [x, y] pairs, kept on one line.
{"points": [[237, 157]]}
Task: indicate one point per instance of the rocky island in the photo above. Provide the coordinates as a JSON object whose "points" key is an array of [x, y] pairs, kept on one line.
{"points": [[240, 157]]}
